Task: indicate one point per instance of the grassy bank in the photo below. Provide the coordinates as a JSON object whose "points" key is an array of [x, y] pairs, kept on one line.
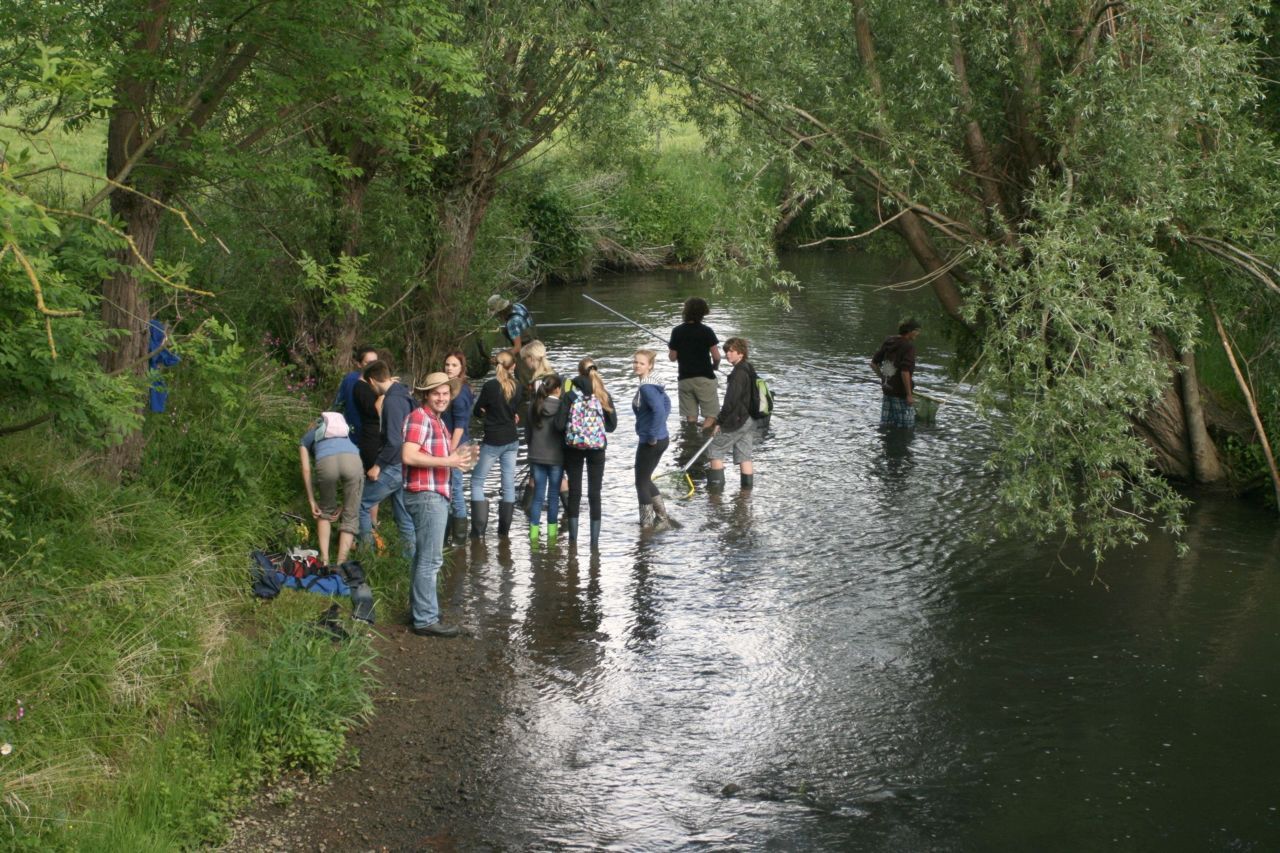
{"points": [[144, 694]]}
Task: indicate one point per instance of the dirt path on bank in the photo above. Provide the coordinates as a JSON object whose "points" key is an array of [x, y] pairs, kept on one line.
{"points": [[423, 759]]}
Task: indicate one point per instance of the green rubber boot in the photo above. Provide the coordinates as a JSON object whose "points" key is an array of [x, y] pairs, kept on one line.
{"points": [[552, 530], [534, 532]]}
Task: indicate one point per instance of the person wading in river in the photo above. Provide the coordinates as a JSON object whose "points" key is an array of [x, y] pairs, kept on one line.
{"points": [[651, 406], [895, 364], [517, 322], [498, 404], [695, 349], [428, 458], [735, 430], [585, 416]]}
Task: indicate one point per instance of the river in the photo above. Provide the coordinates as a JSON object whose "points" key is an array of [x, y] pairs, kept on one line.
{"points": [[843, 659]]}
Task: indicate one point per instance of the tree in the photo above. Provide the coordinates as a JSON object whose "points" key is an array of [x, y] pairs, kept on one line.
{"points": [[1054, 168], [192, 90], [539, 65]]}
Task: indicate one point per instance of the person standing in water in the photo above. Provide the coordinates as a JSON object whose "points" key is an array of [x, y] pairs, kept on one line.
{"points": [[735, 429], [695, 349], [651, 406], [895, 364], [586, 415], [498, 404], [546, 456]]}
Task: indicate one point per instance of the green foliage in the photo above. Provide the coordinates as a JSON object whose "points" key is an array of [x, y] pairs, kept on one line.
{"points": [[147, 715], [231, 427], [1064, 158], [342, 286]]}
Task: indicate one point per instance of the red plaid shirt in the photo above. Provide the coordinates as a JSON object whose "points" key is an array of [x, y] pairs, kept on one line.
{"points": [[424, 428]]}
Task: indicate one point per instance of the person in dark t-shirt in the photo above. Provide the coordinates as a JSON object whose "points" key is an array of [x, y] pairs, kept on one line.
{"points": [[695, 349], [895, 364]]}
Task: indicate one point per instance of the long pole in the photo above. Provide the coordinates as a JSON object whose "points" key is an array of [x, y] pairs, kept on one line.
{"points": [[694, 457], [645, 329]]}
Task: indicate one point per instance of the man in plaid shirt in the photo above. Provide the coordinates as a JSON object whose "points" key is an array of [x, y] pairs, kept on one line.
{"points": [[428, 461]]}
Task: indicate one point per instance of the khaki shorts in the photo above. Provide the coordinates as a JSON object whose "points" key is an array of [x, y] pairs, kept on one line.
{"points": [[698, 392], [344, 468], [740, 442]]}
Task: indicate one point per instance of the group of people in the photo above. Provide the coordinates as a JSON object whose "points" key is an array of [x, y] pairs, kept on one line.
{"points": [[382, 443]]}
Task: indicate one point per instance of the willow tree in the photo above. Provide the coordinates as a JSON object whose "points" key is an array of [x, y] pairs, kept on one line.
{"points": [[195, 93], [1055, 169], [539, 65]]}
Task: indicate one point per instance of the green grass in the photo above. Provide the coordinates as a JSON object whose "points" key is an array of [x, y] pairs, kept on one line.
{"points": [[156, 693], [82, 151]]}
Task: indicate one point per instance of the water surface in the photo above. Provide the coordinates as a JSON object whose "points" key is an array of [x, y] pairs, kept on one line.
{"points": [[838, 660]]}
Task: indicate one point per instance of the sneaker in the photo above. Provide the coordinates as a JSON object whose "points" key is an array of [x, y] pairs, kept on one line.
{"points": [[436, 629]]}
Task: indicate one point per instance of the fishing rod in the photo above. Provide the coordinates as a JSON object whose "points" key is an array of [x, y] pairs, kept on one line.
{"points": [[631, 322], [645, 329], [589, 323]]}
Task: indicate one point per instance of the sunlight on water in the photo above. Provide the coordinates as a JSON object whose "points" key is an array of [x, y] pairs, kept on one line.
{"points": [[835, 661]]}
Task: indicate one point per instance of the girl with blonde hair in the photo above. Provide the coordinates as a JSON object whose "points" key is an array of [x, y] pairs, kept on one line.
{"points": [[498, 405], [651, 406]]}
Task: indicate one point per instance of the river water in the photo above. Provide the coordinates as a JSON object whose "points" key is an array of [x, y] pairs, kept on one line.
{"points": [[839, 660]]}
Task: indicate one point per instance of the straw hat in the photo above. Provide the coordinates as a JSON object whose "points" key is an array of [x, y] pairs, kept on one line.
{"points": [[497, 303], [432, 380]]}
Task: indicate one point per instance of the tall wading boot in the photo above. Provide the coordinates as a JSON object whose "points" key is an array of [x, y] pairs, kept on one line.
{"points": [[572, 524], [748, 481], [595, 534], [647, 516], [479, 518], [715, 480], [506, 511], [661, 521], [459, 528]]}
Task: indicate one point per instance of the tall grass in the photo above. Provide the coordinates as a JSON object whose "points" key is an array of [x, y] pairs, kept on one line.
{"points": [[137, 708]]}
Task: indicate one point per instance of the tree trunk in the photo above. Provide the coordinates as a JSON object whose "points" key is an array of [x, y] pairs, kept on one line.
{"points": [[944, 286], [461, 213], [345, 238], [1164, 426], [1204, 455], [125, 306]]}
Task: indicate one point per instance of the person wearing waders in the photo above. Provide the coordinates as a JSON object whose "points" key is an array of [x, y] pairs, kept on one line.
{"points": [[428, 458], [586, 416], [695, 349], [651, 406], [735, 430], [385, 479], [895, 364]]}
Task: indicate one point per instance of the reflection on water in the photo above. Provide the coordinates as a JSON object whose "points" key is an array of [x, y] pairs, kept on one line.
{"points": [[834, 660]]}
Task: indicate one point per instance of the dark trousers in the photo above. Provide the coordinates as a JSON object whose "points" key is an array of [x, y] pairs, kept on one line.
{"points": [[647, 457], [573, 462]]}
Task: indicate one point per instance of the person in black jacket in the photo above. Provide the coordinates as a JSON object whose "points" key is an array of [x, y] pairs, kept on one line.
{"points": [[498, 405], [587, 386], [735, 430]]}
